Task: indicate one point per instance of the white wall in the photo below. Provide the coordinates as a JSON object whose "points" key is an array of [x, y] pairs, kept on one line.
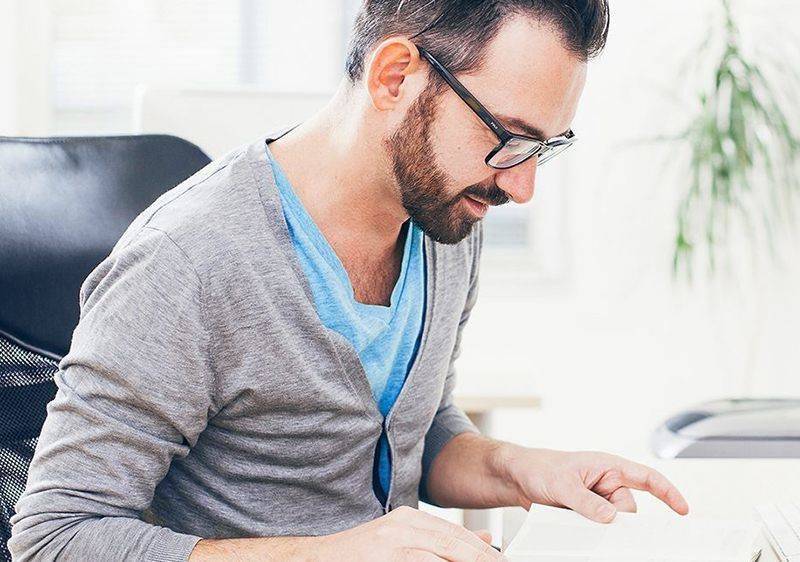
{"points": [[8, 67], [612, 345], [24, 95], [312, 69], [617, 346]]}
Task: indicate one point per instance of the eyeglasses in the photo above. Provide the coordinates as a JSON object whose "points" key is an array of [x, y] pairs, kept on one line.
{"points": [[513, 149]]}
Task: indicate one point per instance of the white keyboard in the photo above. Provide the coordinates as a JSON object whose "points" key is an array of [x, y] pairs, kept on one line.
{"points": [[782, 526]]}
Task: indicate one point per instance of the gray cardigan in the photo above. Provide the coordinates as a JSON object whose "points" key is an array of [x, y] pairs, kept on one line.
{"points": [[203, 397]]}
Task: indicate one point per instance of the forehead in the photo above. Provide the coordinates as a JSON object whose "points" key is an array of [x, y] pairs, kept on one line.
{"points": [[529, 75]]}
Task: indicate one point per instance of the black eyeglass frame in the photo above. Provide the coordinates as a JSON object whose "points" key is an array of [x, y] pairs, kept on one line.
{"points": [[504, 135]]}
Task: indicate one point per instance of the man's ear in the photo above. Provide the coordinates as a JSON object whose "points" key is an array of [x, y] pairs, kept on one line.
{"points": [[391, 62]]}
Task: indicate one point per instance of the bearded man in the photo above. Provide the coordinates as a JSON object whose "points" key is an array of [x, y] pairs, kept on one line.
{"points": [[263, 367]]}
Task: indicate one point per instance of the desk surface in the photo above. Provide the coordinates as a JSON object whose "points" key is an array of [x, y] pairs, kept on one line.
{"points": [[479, 403], [726, 488]]}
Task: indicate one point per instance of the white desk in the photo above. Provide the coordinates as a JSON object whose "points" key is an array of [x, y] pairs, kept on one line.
{"points": [[728, 488]]}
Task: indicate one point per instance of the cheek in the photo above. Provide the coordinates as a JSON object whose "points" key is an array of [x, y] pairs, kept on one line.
{"points": [[460, 151]]}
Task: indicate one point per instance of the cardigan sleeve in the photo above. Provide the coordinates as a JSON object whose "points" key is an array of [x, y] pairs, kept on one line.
{"points": [[134, 392]]}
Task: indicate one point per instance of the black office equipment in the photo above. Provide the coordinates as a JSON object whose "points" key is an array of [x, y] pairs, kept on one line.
{"points": [[64, 202]]}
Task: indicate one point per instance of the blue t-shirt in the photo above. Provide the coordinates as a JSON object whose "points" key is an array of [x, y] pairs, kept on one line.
{"points": [[385, 337]]}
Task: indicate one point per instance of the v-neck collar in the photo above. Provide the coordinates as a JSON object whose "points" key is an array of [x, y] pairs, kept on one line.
{"points": [[322, 245], [353, 370]]}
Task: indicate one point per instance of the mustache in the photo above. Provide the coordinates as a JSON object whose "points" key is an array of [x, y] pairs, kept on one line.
{"points": [[492, 195]]}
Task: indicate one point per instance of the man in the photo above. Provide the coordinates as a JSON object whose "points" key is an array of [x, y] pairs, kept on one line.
{"points": [[263, 365]]}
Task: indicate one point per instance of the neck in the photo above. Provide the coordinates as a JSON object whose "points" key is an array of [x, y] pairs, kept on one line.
{"points": [[341, 172]]}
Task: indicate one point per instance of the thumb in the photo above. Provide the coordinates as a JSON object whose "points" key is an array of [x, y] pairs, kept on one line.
{"points": [[484, 535], [590, 505]]}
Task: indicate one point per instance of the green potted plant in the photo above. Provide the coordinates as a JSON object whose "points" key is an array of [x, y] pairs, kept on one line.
{"points": [[743, 173]]}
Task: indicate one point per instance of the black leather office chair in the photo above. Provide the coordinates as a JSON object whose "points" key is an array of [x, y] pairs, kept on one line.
{"points": [[64, 202]]}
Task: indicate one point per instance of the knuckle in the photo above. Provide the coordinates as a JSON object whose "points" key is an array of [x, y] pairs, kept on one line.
{"points": [[403, 509], [652, 482], [393, 533], [403, 555], [613, 479], [383, 532], [446, 540]]}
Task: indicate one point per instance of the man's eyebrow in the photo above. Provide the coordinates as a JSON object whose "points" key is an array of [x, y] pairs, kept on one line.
{"points": [[526, 128]]}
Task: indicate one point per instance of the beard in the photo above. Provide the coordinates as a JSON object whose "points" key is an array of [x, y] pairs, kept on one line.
{"points": [[423, 184]]}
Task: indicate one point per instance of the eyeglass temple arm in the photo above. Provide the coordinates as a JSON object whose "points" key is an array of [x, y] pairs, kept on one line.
{"points": [[476, 106]]}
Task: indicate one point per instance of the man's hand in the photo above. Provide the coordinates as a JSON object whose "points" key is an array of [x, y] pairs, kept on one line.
{"points": [[406, 534], [402, 535], [596, 485]]}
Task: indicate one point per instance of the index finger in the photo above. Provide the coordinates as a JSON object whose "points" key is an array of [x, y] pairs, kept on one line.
{"points": [[641, 477]]}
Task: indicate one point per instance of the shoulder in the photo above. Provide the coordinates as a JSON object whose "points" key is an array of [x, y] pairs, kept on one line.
{"points": [[194, 209], [215, 218]]}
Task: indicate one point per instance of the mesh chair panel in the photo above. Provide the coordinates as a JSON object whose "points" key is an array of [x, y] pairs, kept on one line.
{"points": [[26, 386]]}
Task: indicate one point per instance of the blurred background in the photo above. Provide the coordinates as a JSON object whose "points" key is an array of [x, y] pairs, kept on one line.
{"points": [[581, 305]]}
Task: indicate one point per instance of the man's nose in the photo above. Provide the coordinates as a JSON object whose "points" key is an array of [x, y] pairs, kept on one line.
{"points": [[518, 182]]}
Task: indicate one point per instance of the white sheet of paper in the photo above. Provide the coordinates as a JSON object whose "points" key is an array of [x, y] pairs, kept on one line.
{"points": [[559, 535]]}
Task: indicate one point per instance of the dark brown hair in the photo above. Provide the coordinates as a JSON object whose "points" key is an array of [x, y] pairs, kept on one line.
{"points": [[457, 32]]}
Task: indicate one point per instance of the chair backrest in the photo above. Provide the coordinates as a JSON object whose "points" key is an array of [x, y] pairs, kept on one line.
{"points": [[230, 117], [64, 202]]}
